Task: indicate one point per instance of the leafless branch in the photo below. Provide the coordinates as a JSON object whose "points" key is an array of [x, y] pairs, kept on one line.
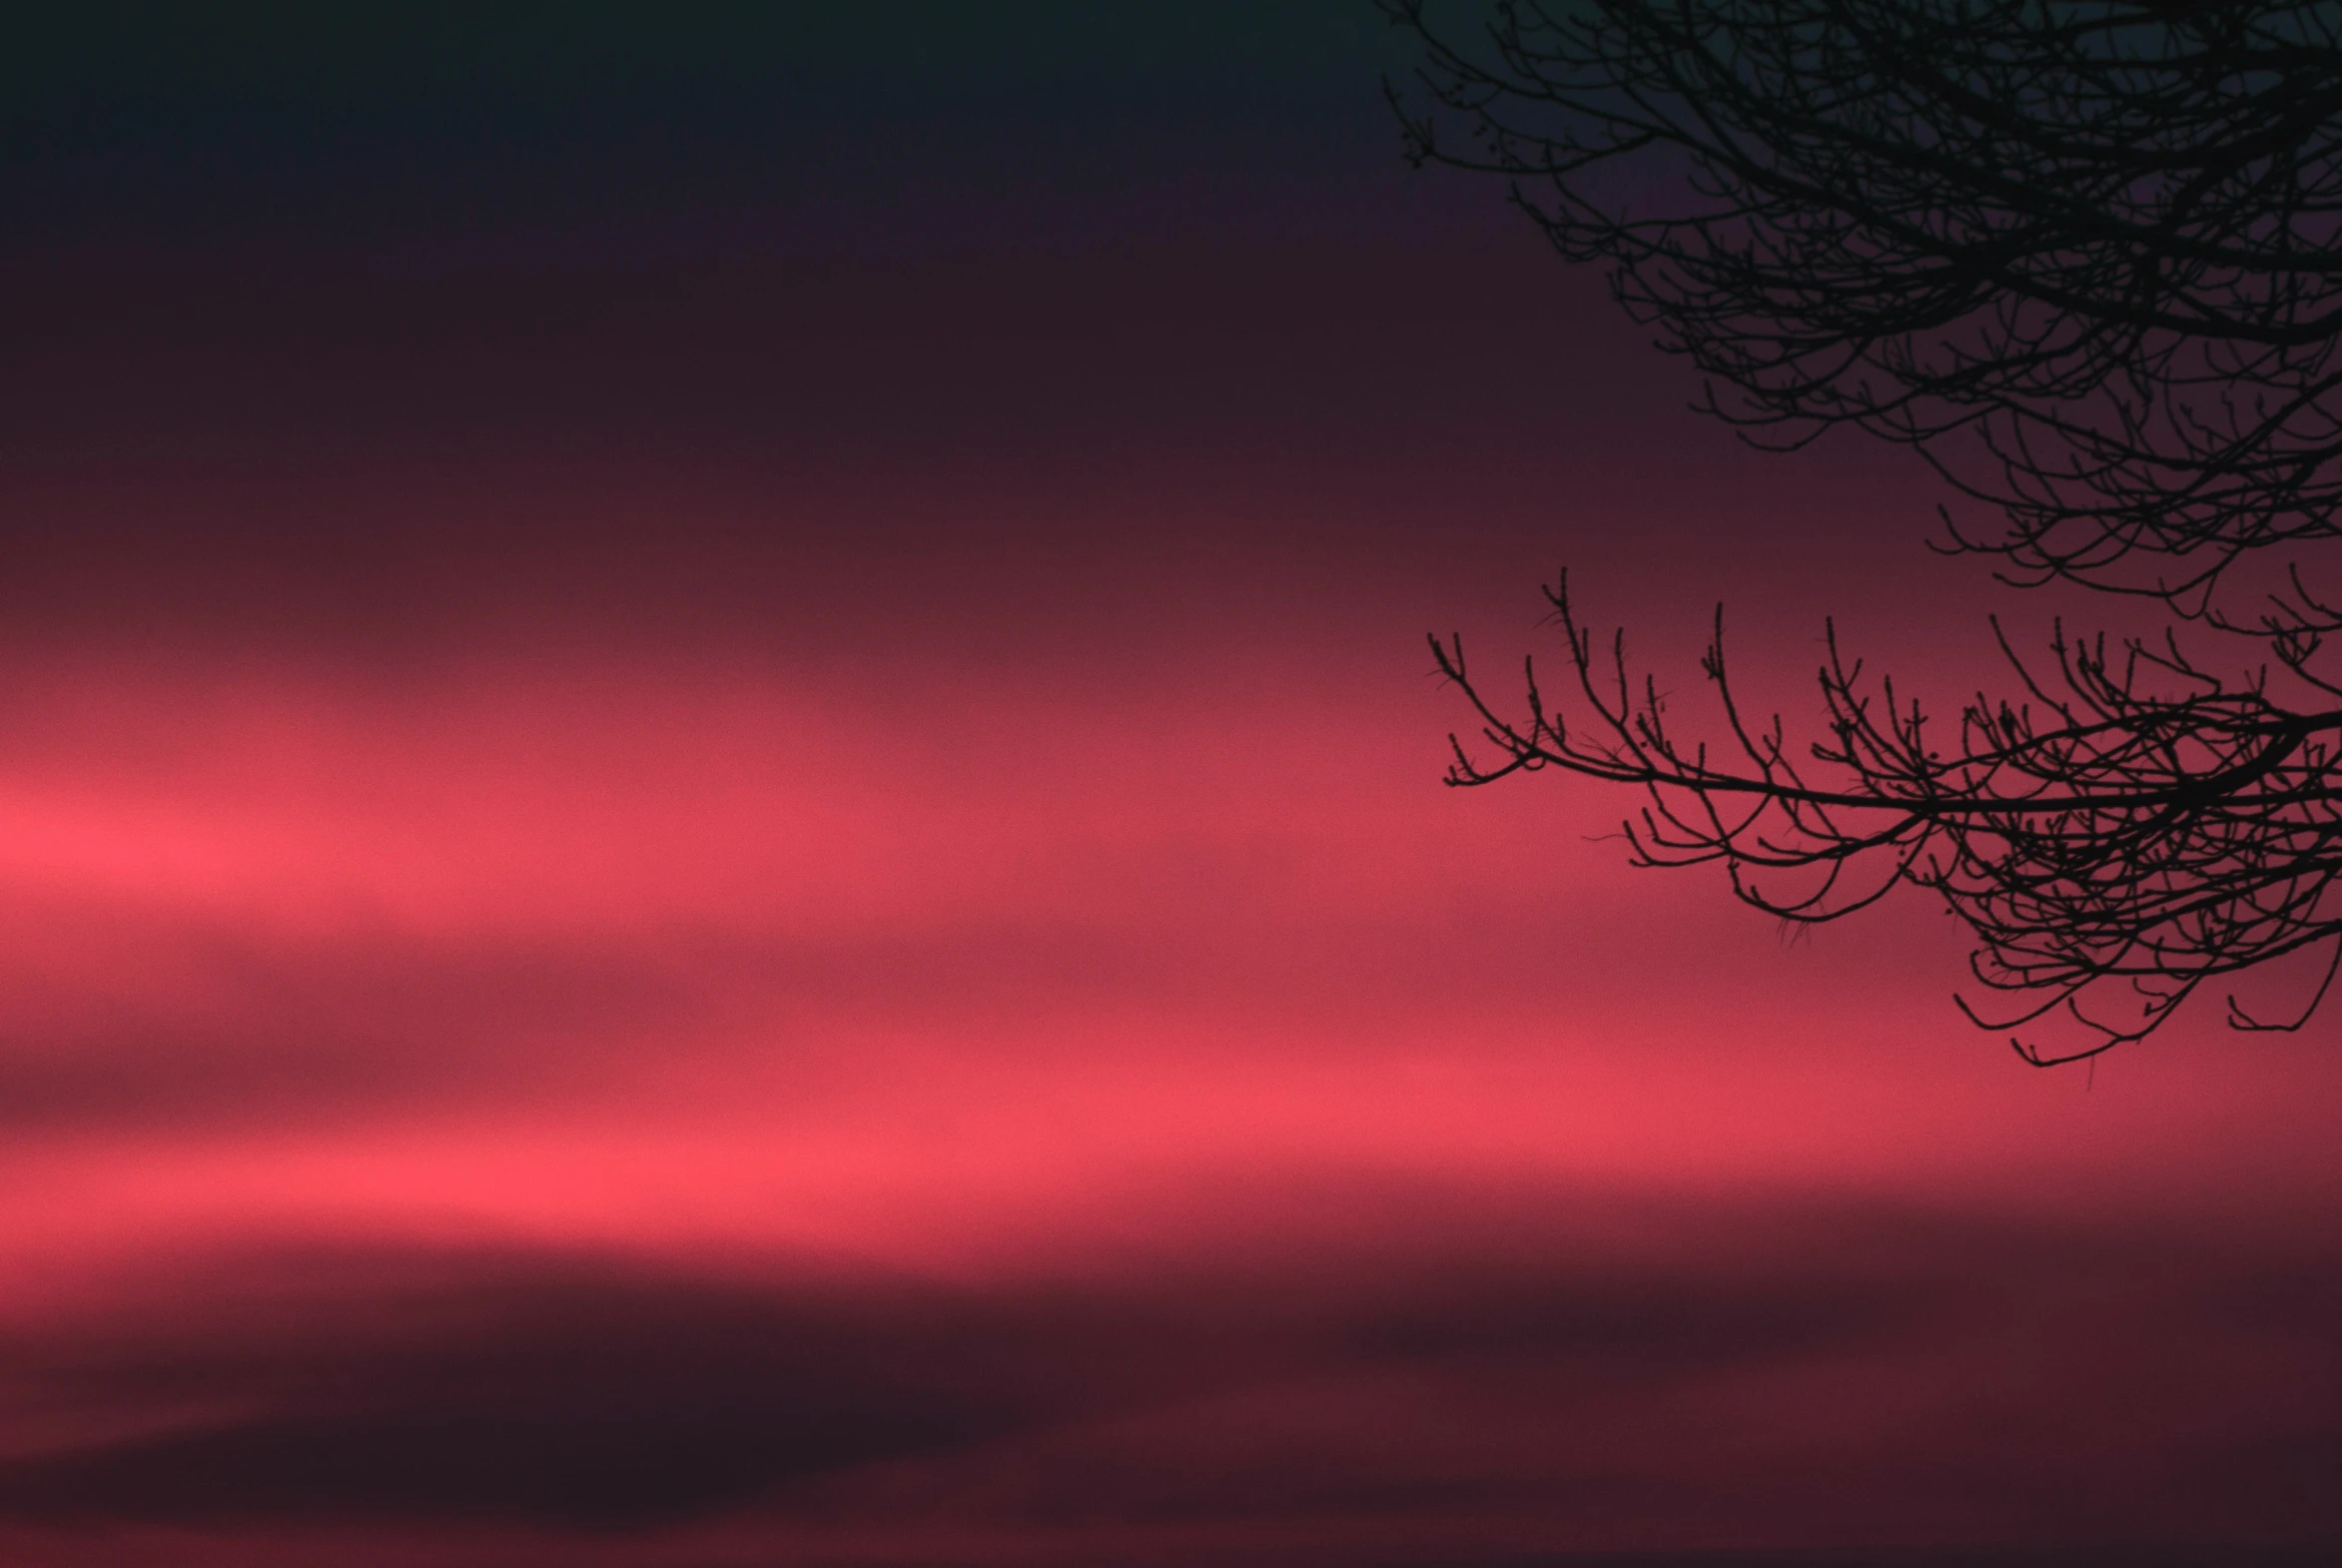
{"points": [[2086, 257], [2139, 823]]}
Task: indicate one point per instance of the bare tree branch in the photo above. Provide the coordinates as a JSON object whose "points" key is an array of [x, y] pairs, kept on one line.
{"points": [[2140, 825], [2086, 257]]}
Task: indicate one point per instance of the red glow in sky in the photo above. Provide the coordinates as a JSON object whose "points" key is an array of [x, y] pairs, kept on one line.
{"points": [[694, 912]]}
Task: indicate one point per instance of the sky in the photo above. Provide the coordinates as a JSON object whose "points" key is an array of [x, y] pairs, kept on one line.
{"points": [[721, 841]]}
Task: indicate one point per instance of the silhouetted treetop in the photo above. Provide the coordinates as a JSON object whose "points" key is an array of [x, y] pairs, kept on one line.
{"points": [[2086, 255]]}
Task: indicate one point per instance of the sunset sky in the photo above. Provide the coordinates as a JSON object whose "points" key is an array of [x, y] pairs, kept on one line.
{"points": [[721, 844]]}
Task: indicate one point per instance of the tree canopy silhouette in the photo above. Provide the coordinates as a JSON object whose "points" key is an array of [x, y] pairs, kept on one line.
{"points": [[2085, 258]]}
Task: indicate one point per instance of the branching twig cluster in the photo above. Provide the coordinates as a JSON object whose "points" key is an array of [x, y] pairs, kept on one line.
{"points": [[2133, 820], [2083, 253], [2087, 257]]}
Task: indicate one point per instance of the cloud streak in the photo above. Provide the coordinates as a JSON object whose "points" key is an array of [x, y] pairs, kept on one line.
{"points": [[1887, 1373]]}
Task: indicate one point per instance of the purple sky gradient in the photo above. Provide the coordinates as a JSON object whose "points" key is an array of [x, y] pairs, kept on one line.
{"points": [[736, 889]]}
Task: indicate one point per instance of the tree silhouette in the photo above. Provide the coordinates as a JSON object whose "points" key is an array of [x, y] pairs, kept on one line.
{"points": [[2085, 258]]}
